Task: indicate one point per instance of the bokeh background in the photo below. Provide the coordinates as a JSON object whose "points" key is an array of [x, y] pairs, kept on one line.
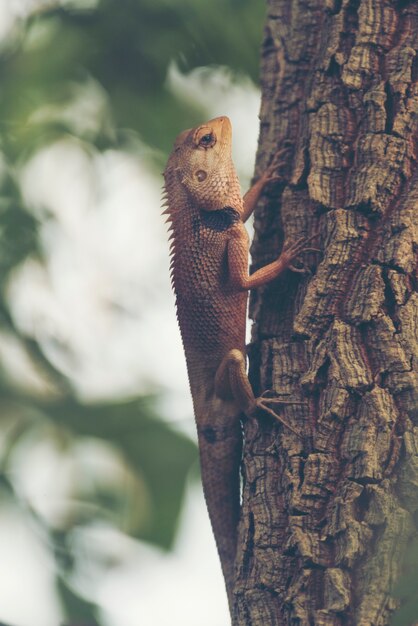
{"points": [[102, 519]]}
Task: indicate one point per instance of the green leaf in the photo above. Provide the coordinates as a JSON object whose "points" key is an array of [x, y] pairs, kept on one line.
{"points": [[79, 612]]}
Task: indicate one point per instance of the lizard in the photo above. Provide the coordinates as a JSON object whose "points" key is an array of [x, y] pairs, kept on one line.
{"points": [[209, 270]]}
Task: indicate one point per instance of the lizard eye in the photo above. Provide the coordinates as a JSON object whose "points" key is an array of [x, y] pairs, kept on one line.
{"points": [[201, 175], [207, 140], [204, 137]]}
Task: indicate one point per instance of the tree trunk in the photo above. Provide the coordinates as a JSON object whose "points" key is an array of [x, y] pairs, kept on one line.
{"points": [[326, 517]]}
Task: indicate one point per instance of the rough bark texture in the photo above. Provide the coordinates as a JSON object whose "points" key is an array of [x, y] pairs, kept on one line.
{"points": [[326, 519]]}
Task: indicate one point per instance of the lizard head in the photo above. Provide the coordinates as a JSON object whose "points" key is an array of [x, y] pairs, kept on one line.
{"points": [[202, 160]]}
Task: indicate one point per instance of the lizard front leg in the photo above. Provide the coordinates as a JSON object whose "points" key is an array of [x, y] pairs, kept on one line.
{"points": [[252, 196], [239, 276]]}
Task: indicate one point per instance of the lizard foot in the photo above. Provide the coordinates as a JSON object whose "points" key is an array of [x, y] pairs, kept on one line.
{"points": [[291, 250], [274, 173], [263, 403]]}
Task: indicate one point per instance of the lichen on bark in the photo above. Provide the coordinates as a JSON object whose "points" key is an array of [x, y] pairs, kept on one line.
{"points": [[327, 517]]}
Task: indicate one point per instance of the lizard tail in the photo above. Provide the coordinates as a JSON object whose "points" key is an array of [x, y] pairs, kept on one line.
{"points": [[220, 458]]}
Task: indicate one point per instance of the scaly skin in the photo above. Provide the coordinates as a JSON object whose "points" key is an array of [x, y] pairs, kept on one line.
{"points": [[209, 266]]}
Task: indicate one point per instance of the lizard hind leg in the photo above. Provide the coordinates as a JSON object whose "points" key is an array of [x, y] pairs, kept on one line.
{"points": [[231, 380], [231, 383]]}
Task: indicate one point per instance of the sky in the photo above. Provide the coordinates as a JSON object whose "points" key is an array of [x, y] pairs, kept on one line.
{"points": [[104, 288]]}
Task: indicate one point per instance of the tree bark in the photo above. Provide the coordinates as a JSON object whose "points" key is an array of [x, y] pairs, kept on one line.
{"points": [[327, 517]]}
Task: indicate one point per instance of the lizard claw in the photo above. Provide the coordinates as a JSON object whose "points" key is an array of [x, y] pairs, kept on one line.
{"points": [[299, 270], [276, 399], [263, 404], [291, 250], [279, 157], [279, 160]]}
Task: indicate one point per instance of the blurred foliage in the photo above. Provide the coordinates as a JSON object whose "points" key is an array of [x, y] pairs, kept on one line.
{"points": [[79, 611], [54, 64], [127, 47], [406, 590]]}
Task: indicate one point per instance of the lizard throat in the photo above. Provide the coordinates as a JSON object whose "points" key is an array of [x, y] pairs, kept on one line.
{"points": [[220, 220]]}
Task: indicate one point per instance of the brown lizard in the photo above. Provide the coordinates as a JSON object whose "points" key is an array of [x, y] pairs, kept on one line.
{"points": [[209, 268]]}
